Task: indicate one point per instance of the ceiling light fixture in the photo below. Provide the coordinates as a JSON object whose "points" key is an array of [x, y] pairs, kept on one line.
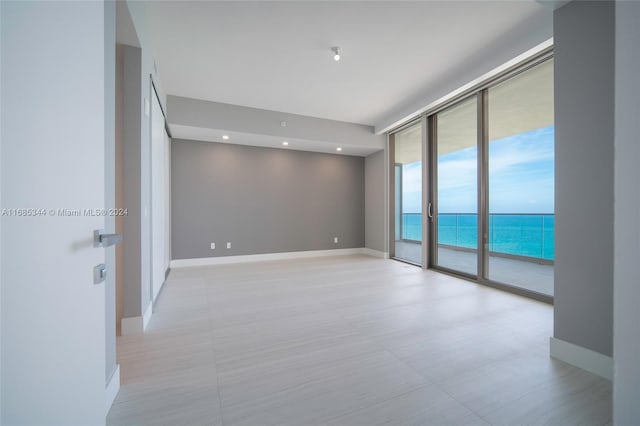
{"points": [[338, 149], [336, 53], [225, 137], [285, 143]]}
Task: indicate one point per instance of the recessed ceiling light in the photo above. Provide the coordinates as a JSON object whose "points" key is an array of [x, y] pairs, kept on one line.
{"points": [[336, 53], [338, 149], [225, 137], [285, 143]]}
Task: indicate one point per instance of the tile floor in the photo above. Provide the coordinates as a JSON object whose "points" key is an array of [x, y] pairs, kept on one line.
{"points": [[350, 340]]}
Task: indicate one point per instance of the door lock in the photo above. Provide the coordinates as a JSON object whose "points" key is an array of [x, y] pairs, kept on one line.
{"points": [[99, 273]]}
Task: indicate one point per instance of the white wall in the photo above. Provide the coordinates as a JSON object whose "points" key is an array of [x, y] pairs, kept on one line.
{"points": [[626, 350], [167, 200], [159, 194], [1, 206], [110, 188]]}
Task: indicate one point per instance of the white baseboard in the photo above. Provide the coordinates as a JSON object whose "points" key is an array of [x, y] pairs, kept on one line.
{"points": [[113, 386], [136, 325], [592, 361], [147, 316], [375, 253], [208, 261]]}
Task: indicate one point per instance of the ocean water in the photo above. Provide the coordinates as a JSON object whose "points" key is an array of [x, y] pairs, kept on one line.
{"points": [[529, 235]]}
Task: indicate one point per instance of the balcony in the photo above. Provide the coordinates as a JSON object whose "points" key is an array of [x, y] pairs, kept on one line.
{"points": [[521, 246]]}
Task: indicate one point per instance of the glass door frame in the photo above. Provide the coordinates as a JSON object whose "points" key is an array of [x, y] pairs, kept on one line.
{"points": [[393, 188], [432, 193], [430, 207]]}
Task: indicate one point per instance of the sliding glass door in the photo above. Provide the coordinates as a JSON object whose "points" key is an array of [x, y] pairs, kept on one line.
{"points": [[407, 189], [520, 177], [454, 206], [489, 190]]}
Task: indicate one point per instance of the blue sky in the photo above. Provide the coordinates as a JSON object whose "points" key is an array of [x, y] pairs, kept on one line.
{"points": [[521, 177]]}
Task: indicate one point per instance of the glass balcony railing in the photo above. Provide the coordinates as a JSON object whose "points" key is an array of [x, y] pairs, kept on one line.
{"points": [[522, 235]]}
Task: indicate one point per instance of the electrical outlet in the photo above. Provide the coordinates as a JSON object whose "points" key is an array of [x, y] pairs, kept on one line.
{"points": [[335, 240], [228, 245], [213, 246]]}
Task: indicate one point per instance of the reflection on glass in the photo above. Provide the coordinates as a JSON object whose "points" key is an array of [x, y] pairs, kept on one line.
{"points": [[457, 196], [521, 180], [408, 194]]}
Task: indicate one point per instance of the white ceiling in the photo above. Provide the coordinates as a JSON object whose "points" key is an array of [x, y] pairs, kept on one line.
{"points": [[276, 55]]}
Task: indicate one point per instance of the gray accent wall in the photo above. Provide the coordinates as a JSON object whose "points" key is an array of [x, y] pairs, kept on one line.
{"points": [[132, 151], [263, 200], [626, 349], [374, 189], [119, 180], [584, 120]]}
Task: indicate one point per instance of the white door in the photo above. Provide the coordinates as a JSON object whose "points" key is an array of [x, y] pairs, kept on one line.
{"points": [[53, 180], [158, 196]]}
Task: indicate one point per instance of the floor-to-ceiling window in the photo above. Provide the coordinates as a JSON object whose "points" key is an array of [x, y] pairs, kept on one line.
{"points": [[490, 191], [407, 190]]}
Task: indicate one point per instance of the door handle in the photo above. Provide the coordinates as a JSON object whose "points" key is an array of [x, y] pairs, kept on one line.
{"points": [[430, 211], [100, 239]]}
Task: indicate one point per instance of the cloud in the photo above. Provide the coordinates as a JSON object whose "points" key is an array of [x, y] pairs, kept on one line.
{"points": [[521, 169]]}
